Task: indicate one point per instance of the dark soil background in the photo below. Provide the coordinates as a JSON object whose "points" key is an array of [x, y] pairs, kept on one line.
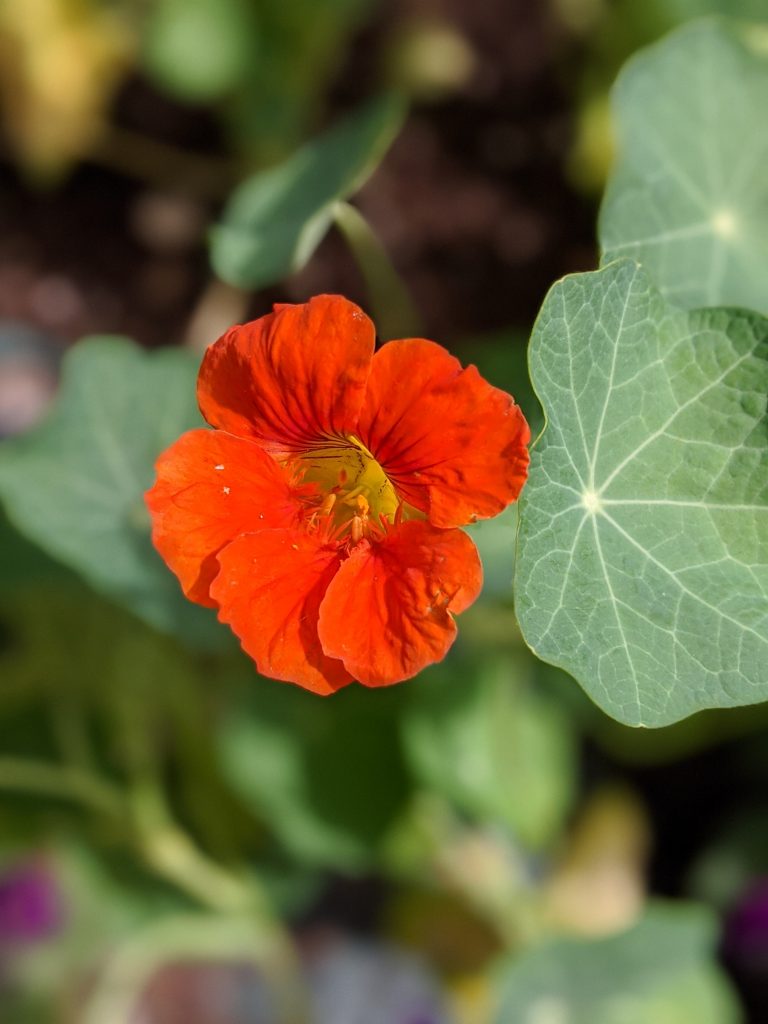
{"points": [[471, 202]]}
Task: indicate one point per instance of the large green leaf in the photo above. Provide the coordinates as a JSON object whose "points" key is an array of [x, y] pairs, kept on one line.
{"points": [[643, 548], [689, 195], [75, 485], [274, 220], [663, 970]]}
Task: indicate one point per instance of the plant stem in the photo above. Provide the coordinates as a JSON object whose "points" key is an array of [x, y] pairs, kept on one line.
{"points": [[170, 853], [61, 782], [164, 165], [391, 305]]}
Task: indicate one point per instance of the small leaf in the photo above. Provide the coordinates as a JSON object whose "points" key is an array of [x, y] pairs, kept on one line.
{"points": [[75, 484], [198, 50], [662, 970], [643, 548], [496, 746], [689, 195], [275, 220]]}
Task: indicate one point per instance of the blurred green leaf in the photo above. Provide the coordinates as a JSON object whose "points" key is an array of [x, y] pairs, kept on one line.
{"points": [[642, 560], [75, 484], [689, 195], [326, 774], [485, 737], [662, 970], [685, 10], [88, 694], [199, 50], [275, 220], [21, 561]]}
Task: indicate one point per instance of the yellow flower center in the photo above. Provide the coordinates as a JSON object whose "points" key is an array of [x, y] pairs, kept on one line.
{"points": [[356, 492]]}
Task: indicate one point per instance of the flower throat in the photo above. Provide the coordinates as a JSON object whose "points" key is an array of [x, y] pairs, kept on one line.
{"points": [[355, 491]]}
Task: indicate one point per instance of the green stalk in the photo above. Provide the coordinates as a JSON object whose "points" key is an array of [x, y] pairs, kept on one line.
{"points": [[61, 782], [393, 311]]}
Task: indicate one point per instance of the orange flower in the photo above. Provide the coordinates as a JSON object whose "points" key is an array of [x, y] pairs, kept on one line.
{"points": [[320, 515]]}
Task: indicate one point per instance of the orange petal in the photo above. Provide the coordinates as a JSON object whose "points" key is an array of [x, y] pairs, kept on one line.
{"points": [[269, 591], [453, 445], [291, 377], [388, 610], [210, 488]]}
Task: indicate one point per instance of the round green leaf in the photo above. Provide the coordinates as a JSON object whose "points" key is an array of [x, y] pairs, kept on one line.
{"points": [[275, 220], [642, 564], [662, 970], [689, 194]]}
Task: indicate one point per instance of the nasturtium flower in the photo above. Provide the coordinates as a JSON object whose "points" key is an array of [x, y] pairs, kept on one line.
{"points": [[320, 514]]}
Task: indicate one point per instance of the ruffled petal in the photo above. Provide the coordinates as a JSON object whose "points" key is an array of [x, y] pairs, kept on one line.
{"points": [[388, 612], [269, 591], [292, 377], [210, 488], [454, 446]]}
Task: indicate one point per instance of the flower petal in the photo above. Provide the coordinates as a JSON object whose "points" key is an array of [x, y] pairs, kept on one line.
{"points": [[269, 591], [388, 611], [292, 377], [210, 488], [454, 446]]}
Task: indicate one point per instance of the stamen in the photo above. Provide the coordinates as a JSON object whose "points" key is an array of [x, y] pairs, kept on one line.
{"points": [[356, 529], [327, 505], [363, 506]]}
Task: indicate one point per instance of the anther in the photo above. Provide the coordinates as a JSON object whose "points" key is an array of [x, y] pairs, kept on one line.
{"points": [[327, 506]]}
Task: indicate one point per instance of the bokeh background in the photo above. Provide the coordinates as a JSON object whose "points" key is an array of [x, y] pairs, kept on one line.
{"points": [[181, 840]]}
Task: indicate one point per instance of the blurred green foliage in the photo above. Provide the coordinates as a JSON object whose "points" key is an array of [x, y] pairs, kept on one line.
{"points": [[184, 807], [118, 408], [660, 970], [200, 50]]}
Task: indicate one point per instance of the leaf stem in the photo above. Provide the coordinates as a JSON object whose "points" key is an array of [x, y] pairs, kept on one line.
{"points": [[170, 853], [60, 782], [391, 304]]}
